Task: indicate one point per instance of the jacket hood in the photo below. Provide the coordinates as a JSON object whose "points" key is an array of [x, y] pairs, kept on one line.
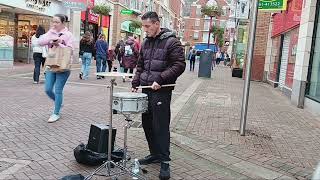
{"points": [[165, 33]]}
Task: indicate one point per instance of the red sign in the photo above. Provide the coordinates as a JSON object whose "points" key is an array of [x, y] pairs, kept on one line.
{"points": [[289, 19], [92, 17]]}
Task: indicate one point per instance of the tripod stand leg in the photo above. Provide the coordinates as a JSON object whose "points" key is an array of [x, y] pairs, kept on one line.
{"points": [[125, 145]]}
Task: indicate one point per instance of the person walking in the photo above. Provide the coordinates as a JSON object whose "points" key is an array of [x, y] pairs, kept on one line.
{"points": [[58, 36], [39, 53], [130, 56], [86, 52], [161, 62], [101, 54], [218, 58], [120, 52], [111, 59], [193, 59]]}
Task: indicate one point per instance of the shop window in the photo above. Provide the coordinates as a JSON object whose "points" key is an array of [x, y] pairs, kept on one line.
{"points": [[314, 66]]}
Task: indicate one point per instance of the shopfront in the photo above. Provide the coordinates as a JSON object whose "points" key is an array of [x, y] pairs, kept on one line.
{"points": [[285, 34], [19, 20], [313, 87]]}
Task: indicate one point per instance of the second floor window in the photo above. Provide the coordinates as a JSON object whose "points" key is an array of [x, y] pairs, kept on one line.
{"points": [[198, 11], [197, 23], [196, 35]]}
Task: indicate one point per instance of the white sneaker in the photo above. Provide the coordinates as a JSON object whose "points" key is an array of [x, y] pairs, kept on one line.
{"points": [[53, 118]]}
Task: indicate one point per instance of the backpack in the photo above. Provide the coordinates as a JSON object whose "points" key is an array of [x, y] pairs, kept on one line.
{"points": [[128, 50]]}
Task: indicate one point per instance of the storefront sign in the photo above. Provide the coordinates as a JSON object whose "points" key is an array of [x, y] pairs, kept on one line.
{"points": [[92, 17], [78, 4], [126, 11], [39, 5], [273, 5]]}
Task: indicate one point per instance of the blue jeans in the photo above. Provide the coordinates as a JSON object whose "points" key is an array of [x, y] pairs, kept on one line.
{"points": [[101, 63], [86, 62], [56, 80]]}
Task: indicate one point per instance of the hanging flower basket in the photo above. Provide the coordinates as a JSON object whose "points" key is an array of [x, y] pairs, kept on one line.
{"points": [[102, 9], [211, 11]]}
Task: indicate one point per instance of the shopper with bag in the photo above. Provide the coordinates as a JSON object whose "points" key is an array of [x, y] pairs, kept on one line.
{"points": [[130, 57], [87, 52], [39, 53], [60, 40], [102, 55]]}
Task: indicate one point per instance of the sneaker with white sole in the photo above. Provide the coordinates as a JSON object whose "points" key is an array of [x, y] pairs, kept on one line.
{"points": [[53, 118]]}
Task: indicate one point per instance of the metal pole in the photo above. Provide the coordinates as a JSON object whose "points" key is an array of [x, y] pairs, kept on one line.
{"points": [[112, 83], [235, 31], [86, 20], [246, 89], [209, 34]]}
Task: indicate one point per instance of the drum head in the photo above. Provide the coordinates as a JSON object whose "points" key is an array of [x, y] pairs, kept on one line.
{"points": [[129, 95]]}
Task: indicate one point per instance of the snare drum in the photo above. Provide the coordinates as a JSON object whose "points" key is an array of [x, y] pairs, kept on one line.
{"points": [[130, 103]]}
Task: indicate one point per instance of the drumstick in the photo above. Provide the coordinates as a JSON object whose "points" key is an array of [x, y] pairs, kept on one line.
{"points": [[166, 85]]}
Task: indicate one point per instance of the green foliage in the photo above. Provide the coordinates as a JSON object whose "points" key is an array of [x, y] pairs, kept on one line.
{"points": [[219, 33], [211, 11], [102, 9], [136, 24]]}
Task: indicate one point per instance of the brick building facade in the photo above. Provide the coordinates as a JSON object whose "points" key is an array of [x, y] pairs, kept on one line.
{"points": [[169, 12], [260, 48], [196, 27]]}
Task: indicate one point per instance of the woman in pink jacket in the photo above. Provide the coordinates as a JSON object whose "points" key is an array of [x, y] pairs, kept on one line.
{"points": [[60, 36]]}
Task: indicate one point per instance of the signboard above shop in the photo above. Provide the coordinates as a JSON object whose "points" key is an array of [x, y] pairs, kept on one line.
{"points": [[79, 5], [126, 11], [272, 5], [240, 9]]}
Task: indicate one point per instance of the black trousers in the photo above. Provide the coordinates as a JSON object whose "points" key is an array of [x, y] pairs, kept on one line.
{"points": [[156, 123], [38, 62], [192, 62], [109, 65]]}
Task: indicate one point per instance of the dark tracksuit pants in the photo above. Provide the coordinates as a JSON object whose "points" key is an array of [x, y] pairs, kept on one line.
{"points": [[156, 123]]}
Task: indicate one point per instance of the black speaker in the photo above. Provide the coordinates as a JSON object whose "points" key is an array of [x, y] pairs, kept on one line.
{"points": [[99, 137]]}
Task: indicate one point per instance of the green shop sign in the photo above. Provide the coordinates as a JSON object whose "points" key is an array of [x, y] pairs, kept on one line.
{"points": [[272, 5], [125, 26], [126, 11]]}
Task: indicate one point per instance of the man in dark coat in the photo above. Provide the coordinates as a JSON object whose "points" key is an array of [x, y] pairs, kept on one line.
{"points": [[161, 62]]}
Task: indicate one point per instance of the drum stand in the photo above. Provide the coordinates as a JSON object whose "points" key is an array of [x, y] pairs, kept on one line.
{"points": [[121, 169]]}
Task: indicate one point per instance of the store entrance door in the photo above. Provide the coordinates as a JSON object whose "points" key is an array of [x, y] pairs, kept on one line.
{"points": [[22, 51]]}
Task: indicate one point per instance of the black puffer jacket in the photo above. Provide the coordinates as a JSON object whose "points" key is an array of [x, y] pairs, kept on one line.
{"points": [[161, 60]]}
